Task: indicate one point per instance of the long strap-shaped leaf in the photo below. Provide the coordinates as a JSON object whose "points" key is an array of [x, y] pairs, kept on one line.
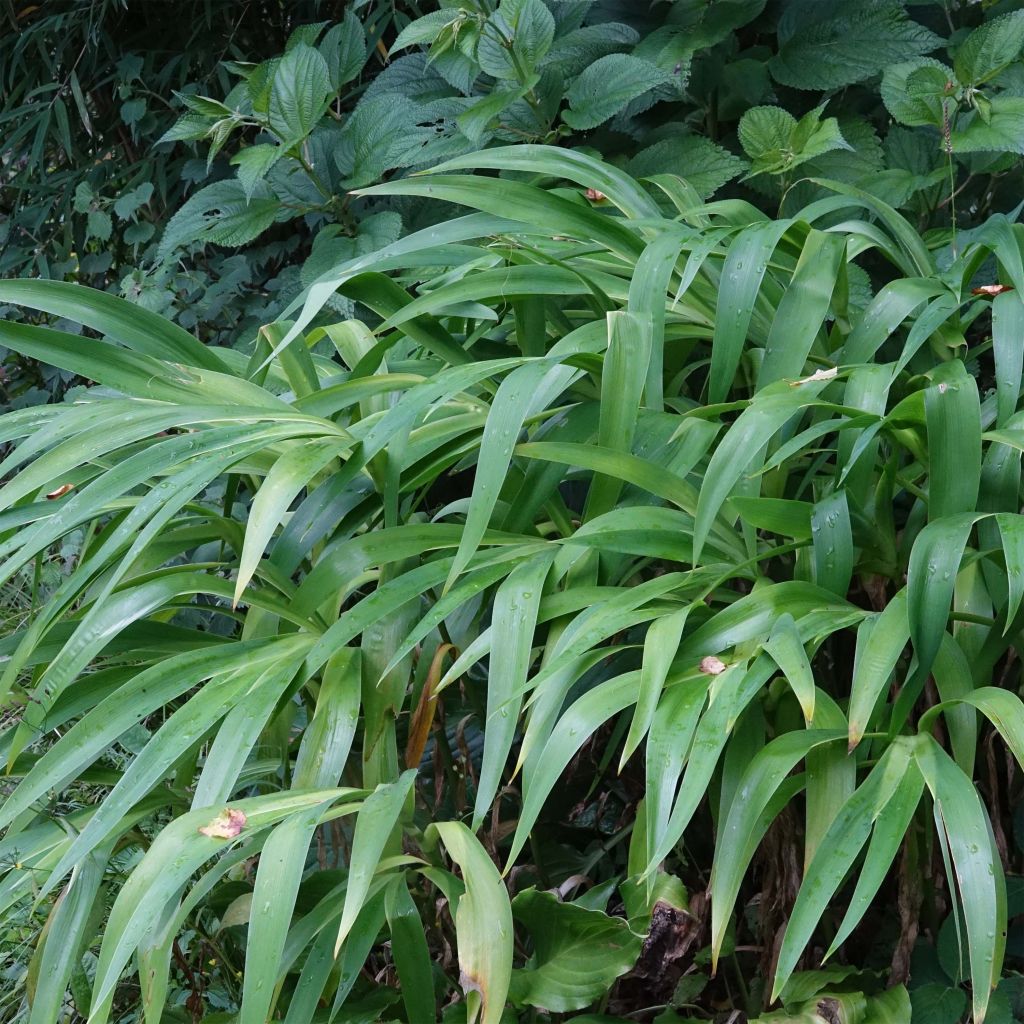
{"points": [[176, 852], [125, 322], [374, 824], [483, 926], [836, 853], [513, 622], [976, 865], [744, 827], [745, 266]]}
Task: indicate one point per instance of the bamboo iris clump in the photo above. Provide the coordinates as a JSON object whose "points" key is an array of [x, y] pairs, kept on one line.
{"points": [[650, 476]]}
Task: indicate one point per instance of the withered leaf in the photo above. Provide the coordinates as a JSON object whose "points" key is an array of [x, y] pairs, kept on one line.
{"points": [[827, 374], [226, 825], [712, 666]]}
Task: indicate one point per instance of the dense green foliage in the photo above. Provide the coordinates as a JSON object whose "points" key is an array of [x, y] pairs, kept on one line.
{"points": [[580, 589]]}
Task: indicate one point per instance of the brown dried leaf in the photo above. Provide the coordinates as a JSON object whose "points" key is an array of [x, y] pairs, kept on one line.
{"points": [[60, 492], [226, 825], [992, 289]]}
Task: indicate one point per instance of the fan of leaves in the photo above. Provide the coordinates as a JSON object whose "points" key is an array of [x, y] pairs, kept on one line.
{"points": [[632, 475]]}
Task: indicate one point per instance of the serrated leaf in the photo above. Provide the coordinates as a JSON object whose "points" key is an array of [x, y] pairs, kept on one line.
{"points": [[515, 39], [607, 86], [475, 121], [916, 92], [425, 29], [253, 163], [573, 52], [1004, 131], [344, 49], [99, 225], [836, 46], [776, 142], [188, 127], [383, 134], [128, 202], [299, 93], [705, 165], [220, 213], [989, 49]]}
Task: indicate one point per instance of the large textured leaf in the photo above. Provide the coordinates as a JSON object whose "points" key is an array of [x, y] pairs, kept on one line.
{"points": [[1001, 132], [915, 91], [607, 85], [577, 953], [225, 213], [989, 49], [301, 86], [824, 47]]}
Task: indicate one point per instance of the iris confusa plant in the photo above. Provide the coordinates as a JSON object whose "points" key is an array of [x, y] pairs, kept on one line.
{"points": [[638, 483]]}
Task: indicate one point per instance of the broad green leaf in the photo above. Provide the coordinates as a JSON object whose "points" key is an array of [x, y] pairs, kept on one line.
{"points": [[1007, 331], [124, 322], [170, 743], [622, 384], [931, 577], [327, 739], [742, 274], [836, 853], [144, 694], [65, 936], [292, 472], [572, 164], [747, 436], [660, 646], [832, 536], [278, 876], [577, 724], [803, 308], [177, 851], [577, 953], [888, 835], [409, 948], [517, 201], [735, 689]]}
